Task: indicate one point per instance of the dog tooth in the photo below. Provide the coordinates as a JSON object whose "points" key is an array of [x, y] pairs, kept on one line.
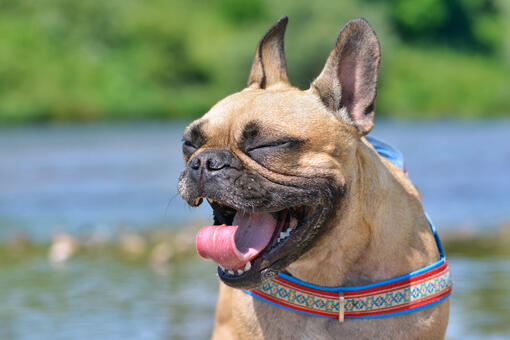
{"points": [[231, 272], [240, 271], [247, 266]]}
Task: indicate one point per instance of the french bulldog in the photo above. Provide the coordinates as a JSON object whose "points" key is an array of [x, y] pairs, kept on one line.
{"points": [[296, 188]]}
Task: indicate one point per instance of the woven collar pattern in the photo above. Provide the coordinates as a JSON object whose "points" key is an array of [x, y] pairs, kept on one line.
{"points": [[392, 297]]}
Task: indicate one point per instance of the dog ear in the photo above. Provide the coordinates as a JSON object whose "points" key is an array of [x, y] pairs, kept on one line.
{"points": [[269, 66], [348, 82]]}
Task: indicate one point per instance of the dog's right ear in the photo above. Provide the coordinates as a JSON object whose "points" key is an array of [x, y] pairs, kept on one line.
{"points": [[348, 82], [269, 66]]}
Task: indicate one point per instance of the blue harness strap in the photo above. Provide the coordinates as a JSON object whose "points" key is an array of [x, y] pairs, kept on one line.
{"points": [[387, 151], [394, 155]]}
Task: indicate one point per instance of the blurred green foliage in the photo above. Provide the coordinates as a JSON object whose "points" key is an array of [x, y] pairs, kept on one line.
{"points": [[476, 25], [122, 59]]}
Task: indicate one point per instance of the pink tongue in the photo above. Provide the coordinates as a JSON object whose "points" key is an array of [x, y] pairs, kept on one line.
{"points": [[233, 246]]}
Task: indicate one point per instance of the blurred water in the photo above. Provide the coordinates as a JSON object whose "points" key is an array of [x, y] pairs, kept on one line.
{"points": [[461, 168], [82, 177], [79, 178], [107, 299]]}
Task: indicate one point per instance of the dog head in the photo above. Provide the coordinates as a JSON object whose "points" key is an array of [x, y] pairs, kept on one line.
{"points": [[275, 162]]}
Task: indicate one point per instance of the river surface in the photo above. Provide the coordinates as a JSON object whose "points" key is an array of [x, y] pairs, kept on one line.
{"points": [[77, 177], [83, 178], [110, 299]]}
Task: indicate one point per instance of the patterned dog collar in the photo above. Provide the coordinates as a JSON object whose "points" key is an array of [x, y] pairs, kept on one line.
{"points": [[405, 294], [401, 295]]}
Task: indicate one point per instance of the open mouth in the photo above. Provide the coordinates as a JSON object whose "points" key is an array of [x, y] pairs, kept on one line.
{"points": [[250, 247]]}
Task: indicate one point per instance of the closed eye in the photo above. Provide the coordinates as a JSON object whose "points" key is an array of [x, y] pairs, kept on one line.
{"points": [[275, 144], [188, 148], [264, 149], [188, 143]]}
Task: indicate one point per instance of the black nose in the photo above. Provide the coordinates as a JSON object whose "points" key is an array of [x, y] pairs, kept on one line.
{"points": [[211, 161]]}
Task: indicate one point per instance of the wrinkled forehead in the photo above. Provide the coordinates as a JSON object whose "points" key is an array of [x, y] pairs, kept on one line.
{"points": [[267, 111]]}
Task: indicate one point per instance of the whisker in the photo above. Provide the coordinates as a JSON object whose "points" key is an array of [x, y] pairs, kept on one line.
{"points": [[169, 202]]}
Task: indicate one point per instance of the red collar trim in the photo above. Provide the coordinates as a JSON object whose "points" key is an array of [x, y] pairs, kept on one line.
{"points": [[401, 296]]}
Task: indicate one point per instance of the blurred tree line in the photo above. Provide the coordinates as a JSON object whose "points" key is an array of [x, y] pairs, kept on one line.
{"points": [[122, 59], [476, 25]]}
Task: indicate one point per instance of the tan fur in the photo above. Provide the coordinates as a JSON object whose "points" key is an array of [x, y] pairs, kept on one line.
{"points": [[379, 230]]}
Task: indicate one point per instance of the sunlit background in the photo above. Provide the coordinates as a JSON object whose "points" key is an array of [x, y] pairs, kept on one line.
{"points": [[95, 243]]}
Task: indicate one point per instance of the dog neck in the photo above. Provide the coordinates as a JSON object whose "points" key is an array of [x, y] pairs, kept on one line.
{"points": [[379, 232]]}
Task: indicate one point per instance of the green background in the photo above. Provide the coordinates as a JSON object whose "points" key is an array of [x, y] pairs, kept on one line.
{"points": [[66, 60]]}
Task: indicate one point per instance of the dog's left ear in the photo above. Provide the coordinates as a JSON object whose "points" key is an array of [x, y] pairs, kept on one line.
{"points": [[269, 66], [348, 82]]}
